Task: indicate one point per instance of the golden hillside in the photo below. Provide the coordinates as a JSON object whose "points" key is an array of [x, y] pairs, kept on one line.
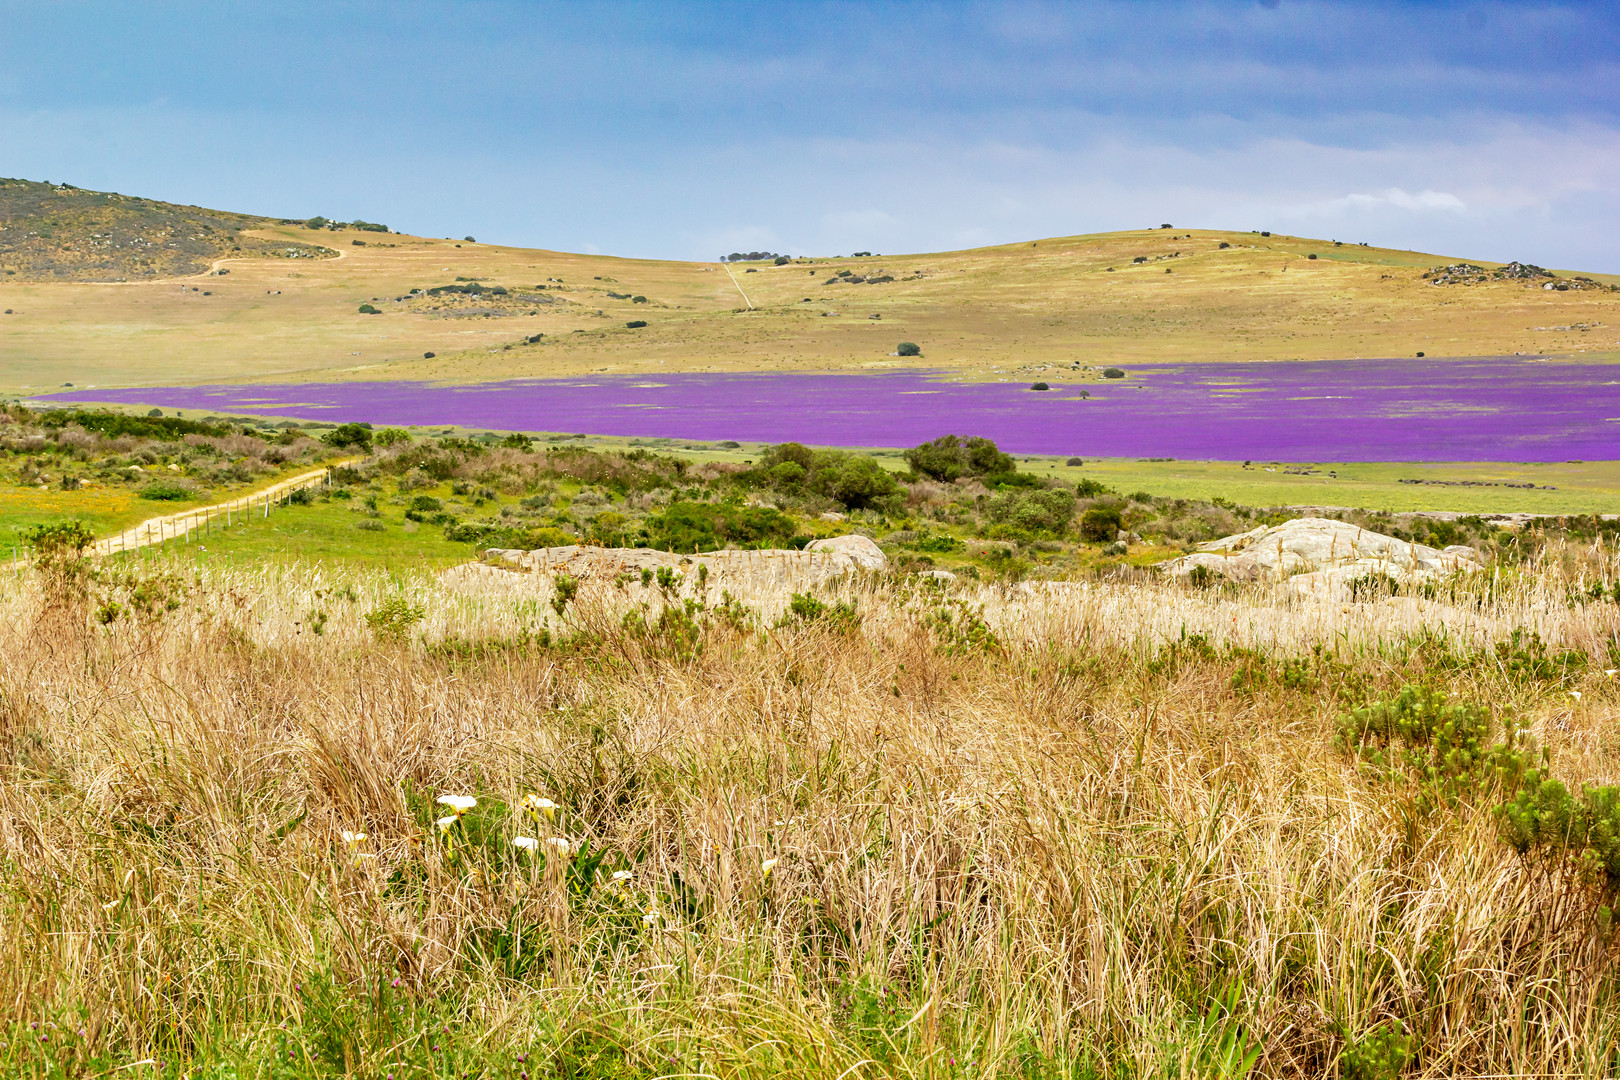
{"points": [[1113, 298]]}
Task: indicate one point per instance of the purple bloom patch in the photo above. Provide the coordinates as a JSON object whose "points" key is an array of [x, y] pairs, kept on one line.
{"points": [[1480, 409]]}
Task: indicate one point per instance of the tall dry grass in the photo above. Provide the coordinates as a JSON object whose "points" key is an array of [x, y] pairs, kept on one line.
{"points": [[1079, 851]]}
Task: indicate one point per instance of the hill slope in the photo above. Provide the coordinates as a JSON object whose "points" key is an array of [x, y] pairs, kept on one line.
{"points": [[486, 311], [57, 232]]}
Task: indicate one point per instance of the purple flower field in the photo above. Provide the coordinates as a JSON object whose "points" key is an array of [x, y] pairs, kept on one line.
{"points": [[1483, 409]]}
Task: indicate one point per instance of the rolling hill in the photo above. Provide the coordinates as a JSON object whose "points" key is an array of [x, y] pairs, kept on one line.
{"points": [[203, 295]]}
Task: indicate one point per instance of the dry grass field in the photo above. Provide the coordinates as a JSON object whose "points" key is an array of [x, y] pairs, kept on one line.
{"points": [[1007, 311], [1051, 830]]}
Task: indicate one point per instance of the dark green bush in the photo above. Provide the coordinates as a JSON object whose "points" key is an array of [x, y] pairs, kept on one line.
{"points": [[355, 435], [636, 324], [1091, 489], [908, 348], [1100, 524], [367, 309], [1113, 373], [1040, 386], [855, 480], [950, 457], [165, 491], [689, 526]]}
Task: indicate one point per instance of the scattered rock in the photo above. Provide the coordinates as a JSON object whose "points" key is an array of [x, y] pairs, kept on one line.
{"points": [[832, 516]]}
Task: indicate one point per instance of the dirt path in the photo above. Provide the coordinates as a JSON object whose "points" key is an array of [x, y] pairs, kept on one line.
{"points": [[177, 526]]}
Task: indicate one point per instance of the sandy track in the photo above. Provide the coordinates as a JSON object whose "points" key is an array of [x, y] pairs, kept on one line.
{"points": [[175, 526]]}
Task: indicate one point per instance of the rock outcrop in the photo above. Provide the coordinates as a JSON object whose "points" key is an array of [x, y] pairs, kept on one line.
{"points": [[1322, 555], [823, 559]]}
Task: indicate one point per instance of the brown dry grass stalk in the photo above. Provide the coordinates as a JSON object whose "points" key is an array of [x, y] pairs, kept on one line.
{"points": [[1051, 844]]}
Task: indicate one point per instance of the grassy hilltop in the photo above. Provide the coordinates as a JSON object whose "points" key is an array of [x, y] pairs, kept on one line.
{"points": [[1008, 311]]}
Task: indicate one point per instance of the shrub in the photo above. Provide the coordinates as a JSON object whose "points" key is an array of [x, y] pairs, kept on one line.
{"points": [[1381, 1054], [1040, 386], [1100, 524], [805, 610], [165, 491], [1032, 513], [1076, 461], [908, 348], [1582, 832], [685, 526], [780, 260], [1224, 245], [469, 240], [1441, 744], [391, 437], [392, 619], [950, 457], [428, 355], [855, 480], [154, 412], [355, 435], [367, 309], [1113, 373], [1312, 255], [638, 299], [316, 222], [636, 324]]}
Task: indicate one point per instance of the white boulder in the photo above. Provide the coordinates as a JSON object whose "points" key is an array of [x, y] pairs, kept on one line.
{"points": [[1316, 553], [860, 550]]}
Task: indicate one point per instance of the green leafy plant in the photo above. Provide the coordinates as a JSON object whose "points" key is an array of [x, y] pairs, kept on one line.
{"points": [[564, 588], [805, 610], [1444, 745], [1380, 1054], [1582, 832], [392, 619]]}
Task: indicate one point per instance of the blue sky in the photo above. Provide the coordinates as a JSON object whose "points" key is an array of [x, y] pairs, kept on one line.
{"points": [[687, 130]]}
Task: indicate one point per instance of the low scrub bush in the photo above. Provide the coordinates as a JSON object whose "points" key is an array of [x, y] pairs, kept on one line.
{"points": [[1100, 524], [695, 526], [951, 457], [166, 491]]}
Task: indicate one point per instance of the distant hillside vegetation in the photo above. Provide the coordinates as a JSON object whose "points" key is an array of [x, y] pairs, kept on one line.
{"points": [[57, 232]]}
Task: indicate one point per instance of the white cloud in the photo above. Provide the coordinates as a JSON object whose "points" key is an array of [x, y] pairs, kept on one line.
{"points": [[1423, 200]]}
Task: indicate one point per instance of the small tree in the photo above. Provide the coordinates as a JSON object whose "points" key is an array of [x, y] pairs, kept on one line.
{"points": [[316, 222], [1113, 373], [908, 348]]}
